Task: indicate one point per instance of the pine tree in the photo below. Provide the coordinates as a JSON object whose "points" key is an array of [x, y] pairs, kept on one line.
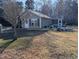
{"points": [[29, 4]]}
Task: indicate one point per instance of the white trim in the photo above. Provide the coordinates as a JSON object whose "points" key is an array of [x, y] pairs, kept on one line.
{"points": [[28, 23], [25, 24], [60, 23]]}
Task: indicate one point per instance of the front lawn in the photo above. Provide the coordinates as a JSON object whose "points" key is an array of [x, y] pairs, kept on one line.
{"points": [[45, 46]]}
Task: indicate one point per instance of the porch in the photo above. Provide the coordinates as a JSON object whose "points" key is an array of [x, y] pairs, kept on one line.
{"points": [[32, 23]]}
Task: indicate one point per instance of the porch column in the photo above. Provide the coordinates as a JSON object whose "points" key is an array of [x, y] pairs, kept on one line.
{"points": [[61, 22], [28, 23], [40, 22], [58, 22]]}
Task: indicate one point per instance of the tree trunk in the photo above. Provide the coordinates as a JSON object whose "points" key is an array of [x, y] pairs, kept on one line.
{"points": [[15, 34]]}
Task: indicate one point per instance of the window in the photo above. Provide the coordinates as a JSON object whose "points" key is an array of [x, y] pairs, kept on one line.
{"points": [[32, 24], [60, 21]]}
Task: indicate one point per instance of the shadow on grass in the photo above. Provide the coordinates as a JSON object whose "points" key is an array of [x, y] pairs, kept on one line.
{"points": [[20, 33], [4, 46]]}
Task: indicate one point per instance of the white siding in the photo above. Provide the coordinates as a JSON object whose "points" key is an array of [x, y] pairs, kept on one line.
{"points": [[25, 24]]}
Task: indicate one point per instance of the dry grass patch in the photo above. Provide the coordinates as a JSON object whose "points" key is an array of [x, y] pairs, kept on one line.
{"points": [[50, 45]]}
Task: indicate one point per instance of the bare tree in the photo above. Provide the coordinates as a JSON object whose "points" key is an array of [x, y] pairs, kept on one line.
{"points": [[44, 1], [60, 8], [46, 8], [71, 12], [12, 12], [68, 9]]}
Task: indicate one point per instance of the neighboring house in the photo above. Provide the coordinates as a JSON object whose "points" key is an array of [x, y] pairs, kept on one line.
{"points": [[4, 22], [33, 19], [2, 19]]}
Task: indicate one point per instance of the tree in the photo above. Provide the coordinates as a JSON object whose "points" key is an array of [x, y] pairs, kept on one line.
{"points": [[71, 12], [47, 9], [12, 12], [29, 4], [39, 3], [44, 1], [60, 8], [68, 9], [75, 12], [20, 4]]}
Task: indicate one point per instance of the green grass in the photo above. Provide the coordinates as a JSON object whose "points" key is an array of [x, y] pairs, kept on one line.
{"points": [[2, 42], [21, 42]]}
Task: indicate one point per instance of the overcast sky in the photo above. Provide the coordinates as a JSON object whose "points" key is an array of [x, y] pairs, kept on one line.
{"points": [[37, 3], [37, 0]]}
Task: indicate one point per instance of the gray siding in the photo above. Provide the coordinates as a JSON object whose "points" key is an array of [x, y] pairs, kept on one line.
{"points": [[46, 22]]}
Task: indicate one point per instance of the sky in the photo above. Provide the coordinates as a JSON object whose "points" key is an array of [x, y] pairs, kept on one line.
{"points": [[38, 3], [36, 0], [22, 0], [25, 0]]}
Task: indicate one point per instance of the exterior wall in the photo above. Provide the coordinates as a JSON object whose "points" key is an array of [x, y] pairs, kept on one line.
{"points": [[40, 22], [32, 22], [60, 23], [25, 23], [46, 22], [54, 21]]}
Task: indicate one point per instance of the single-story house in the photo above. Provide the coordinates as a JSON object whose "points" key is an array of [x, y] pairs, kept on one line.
{"points": [[33, 19]]}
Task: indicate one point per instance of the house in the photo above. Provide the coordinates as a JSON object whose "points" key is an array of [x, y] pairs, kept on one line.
{"points": [[33, 19], [29, 19], [3, 21], [57, 22]]}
